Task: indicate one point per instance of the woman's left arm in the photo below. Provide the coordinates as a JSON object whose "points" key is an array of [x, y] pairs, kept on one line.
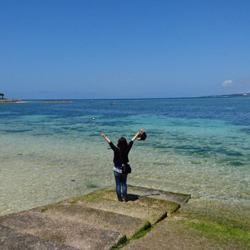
{"points": [[136, 136]]}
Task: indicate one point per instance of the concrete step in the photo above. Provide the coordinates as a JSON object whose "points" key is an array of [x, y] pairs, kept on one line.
{"points": [[125, 225], [159, 194], [12, 240], [144, 208], [62, 231]]}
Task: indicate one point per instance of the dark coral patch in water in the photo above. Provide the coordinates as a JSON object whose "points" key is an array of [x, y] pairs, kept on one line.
{"points": [[245, 130], [236, 163], [17, 130]]}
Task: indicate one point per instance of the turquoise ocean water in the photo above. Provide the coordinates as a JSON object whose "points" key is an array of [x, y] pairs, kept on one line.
{"points": [[52, 151]]}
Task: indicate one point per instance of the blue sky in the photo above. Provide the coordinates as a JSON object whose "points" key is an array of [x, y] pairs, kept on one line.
{"points": [[123, 49]]}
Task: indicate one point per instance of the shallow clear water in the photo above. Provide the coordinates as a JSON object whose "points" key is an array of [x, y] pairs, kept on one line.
{"points": [[51, 151]]}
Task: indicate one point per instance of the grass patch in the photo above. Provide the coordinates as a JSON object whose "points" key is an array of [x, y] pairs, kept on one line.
{"points": [[121, 243], [142, 231], [93, 196], [137, 235], [221, 232], [147, 227]]}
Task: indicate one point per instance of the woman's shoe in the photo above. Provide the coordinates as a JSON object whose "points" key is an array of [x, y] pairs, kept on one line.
{"points": [[119, 199]]}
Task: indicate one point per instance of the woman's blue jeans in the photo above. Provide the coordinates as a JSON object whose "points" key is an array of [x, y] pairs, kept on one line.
{"points": [[121, 185]]}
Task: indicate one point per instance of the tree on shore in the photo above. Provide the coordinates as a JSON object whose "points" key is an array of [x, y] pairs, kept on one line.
{"points": [[1, 95]]}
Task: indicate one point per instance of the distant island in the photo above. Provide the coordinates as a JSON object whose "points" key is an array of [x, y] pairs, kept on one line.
{"points": [[229, 95], [8, 100]]}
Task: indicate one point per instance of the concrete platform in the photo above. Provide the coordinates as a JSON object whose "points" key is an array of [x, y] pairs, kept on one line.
{"points": [[11, 240], [93, 221], [62, 231], [105, 220]]}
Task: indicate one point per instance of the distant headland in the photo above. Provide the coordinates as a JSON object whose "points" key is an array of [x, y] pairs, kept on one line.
{"points": [[8, 100], [229, 95]]}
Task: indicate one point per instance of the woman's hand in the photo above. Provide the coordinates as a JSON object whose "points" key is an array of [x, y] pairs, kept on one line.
{"points": [[137, 135], [141, 130]]}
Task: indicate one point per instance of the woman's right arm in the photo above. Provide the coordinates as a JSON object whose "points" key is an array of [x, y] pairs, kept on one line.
{"points": [[105, 138], [113, 147]]}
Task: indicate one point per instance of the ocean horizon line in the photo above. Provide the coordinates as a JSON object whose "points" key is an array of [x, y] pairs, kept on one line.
{"points": [[143, 98]]}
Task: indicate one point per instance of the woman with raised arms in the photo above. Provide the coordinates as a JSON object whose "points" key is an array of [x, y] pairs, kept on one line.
{"points": [[121, 167]]}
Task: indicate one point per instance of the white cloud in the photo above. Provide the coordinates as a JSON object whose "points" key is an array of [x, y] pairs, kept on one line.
{"points": [[227, 83]]}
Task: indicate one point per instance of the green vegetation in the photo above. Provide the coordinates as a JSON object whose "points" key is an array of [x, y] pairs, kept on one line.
{"points": [[235, 217], [93, 196], [121, 243], [142, 231], [88, 197], [137, 235], [220, 232]]}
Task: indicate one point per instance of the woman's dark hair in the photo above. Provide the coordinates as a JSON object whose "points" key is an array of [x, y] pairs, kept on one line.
{"points": [[122, 144]]}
